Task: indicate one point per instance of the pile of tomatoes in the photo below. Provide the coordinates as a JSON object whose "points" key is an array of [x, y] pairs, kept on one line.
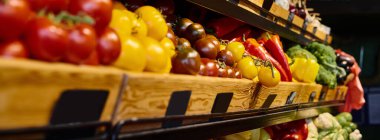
{"points": [[134, 38], [203, 54], [74, 31]]}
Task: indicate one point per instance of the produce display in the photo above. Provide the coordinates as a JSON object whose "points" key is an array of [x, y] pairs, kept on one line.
{"points": [[323, 127], [138, 37], [66, 31], [156, 37]]}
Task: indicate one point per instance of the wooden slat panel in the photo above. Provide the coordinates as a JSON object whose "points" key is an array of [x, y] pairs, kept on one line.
{"points": [[279, 11], [282, 92], [29, 89], [307, 90], [147, 94]]}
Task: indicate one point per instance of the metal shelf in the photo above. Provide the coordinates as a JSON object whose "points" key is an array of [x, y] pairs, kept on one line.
{"points": [[228, 123], [230, 8]]}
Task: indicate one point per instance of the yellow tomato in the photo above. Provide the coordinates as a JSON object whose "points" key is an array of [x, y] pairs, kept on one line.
{"points": [[247, 68], [118, 5], [132, 56], [237, 50], [121, 23], [156, 24], [168, 46], [155, 55], [168, 66], [222, 47], [139, 28], [266, 78]]}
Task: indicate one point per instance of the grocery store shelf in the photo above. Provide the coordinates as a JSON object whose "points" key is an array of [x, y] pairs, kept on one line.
{"points": [[228, 123], [80, 130], [128, 105], [231, 9]]}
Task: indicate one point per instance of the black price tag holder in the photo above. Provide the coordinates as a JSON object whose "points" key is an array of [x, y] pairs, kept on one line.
{"points": [[268, 102], [221, 104], [75, 115], [75, 107], [312, 96], [178, 103], [291, 98]]}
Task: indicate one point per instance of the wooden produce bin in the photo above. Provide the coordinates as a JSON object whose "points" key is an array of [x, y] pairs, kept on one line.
{"points": [[338, 93], [319, 34], [309, 93], [39, 94], [147, 95], [248, 5], [297, 21], [270, 97], [341, 92], [280, 12]]}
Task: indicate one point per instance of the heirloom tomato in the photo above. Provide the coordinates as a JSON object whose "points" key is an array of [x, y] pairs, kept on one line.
{"points": [[132, 56]]}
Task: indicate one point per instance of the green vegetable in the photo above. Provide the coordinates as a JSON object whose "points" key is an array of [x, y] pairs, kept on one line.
{"points": [[298, 52], [344, 133], [341, 119], [348, 129], [346, 115], [324, 134], [326, 77], [352, 125], [326, 58]]}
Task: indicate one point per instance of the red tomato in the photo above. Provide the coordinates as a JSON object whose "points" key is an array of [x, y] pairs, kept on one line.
{"points": [[222, 72], [50, 5], [210, 67], [93, 59], [82, 42], [13, 49], [108, 47], [14, 16], [238, 74], [230, 72], [202, 69], [46, 40], [100, 10]]}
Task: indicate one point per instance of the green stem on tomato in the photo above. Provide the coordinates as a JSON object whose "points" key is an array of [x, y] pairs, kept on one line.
{"points": [[271, 67]]}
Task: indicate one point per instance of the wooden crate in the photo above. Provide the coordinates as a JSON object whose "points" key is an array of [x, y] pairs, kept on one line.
{"points": [[280, 12], [330, 94], [147, 95], [309, 93], [297, 21], [276, 96], [29, 90], [341, 92], [321, 35], [247, 4]]}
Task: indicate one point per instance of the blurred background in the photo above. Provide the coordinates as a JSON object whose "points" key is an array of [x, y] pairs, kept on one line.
{"points": [[354, 27]]}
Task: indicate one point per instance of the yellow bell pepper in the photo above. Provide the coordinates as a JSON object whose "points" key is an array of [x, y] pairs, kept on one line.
{"points": [[304, 70]]}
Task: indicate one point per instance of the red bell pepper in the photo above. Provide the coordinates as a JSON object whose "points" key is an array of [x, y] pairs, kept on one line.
{"points": [[259, 51], [296, 130], [239, 35], [223, 26], [274, 47]]}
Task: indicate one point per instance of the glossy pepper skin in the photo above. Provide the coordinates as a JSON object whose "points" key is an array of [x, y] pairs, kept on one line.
{"points": [[239, 35], [296, 130], [223, 26], [274, 47], [256, 49], [304, 70]]}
